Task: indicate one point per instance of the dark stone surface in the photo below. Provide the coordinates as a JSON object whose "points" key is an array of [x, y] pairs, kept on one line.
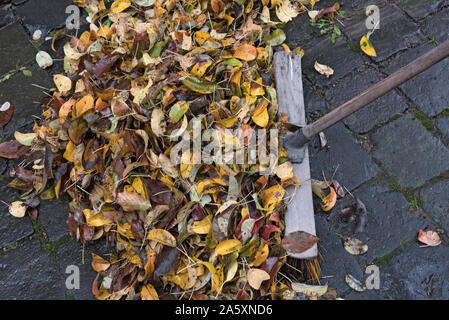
{"points": [[71, 253], [338, 56], [420, 9], [12, 229], [375, 113], [396, 32], [365, 295], [27, 273], [15, 49], [390, 222], [331, 248], [436, 202], [25, 97], [6, 16], [417, 273], [53, 215], [436, 26], [343, 159], [43, 15], [443, 125], [429, 89], [410, 153]]}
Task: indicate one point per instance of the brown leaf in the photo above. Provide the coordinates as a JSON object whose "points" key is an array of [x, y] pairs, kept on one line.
{"points": [[12, 149], [299, 241], [6, 112]]}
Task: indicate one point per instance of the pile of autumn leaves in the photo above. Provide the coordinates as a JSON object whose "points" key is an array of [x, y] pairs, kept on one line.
{"points": [[142, 73]]}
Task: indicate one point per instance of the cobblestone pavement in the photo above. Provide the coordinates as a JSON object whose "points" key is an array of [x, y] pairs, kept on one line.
{"points": [[393, 155]]}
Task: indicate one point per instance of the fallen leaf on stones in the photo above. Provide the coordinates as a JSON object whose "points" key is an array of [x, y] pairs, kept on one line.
{"points": [[44, 60], [25, 139], [323, 69], [18, 209], [6, 112], [256, 277], [355, 246], [12, 149], [354, 284], [330, 200], [367, 46], [430, 238]]}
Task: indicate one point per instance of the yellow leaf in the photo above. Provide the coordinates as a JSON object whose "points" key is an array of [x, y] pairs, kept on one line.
{"points": [[203, 226], [330, 200], [120, 5], [162, 236], [69, 151], [85, 104], [272, 196], [261, 256], [261, 117], [216, 283], [148, 293], [367, 47], [205, 184], [228, 246], [95, 219]]}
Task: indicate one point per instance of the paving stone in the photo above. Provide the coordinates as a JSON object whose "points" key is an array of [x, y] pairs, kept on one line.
{"points": [[410, 153], [443, 125], [317, 47], [27, 273], [418, 9], [390, 222], [396, 31], [53, 215], [343, 159], [12, 229], [71, 253], [417, 273], [365, 295], [43, 15], [25, 97], [6, 16], [436, 26], [375, 113], [336, 261], [436, 202], [15, 48], [428, 90]]}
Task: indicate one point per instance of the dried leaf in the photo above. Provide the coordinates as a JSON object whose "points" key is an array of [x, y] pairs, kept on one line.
{"points": [[323, 69], [355, 246], [430, 238], [299, 241]]}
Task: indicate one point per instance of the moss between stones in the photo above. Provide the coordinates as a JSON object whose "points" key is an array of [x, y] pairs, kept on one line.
{"points": [[444, 113], [424, 120], [50, 247], [414, 202]]}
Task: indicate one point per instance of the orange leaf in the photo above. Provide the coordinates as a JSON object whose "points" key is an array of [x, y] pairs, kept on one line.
{"points": [[431, 238], [246, 52]]}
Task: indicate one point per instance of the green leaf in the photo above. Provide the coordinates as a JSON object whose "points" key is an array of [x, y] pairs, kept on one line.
{"points": [[27, 73], [276, 38]]}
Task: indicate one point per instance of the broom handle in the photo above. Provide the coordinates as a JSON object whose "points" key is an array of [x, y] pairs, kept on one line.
{"points": [[415, 67]]}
